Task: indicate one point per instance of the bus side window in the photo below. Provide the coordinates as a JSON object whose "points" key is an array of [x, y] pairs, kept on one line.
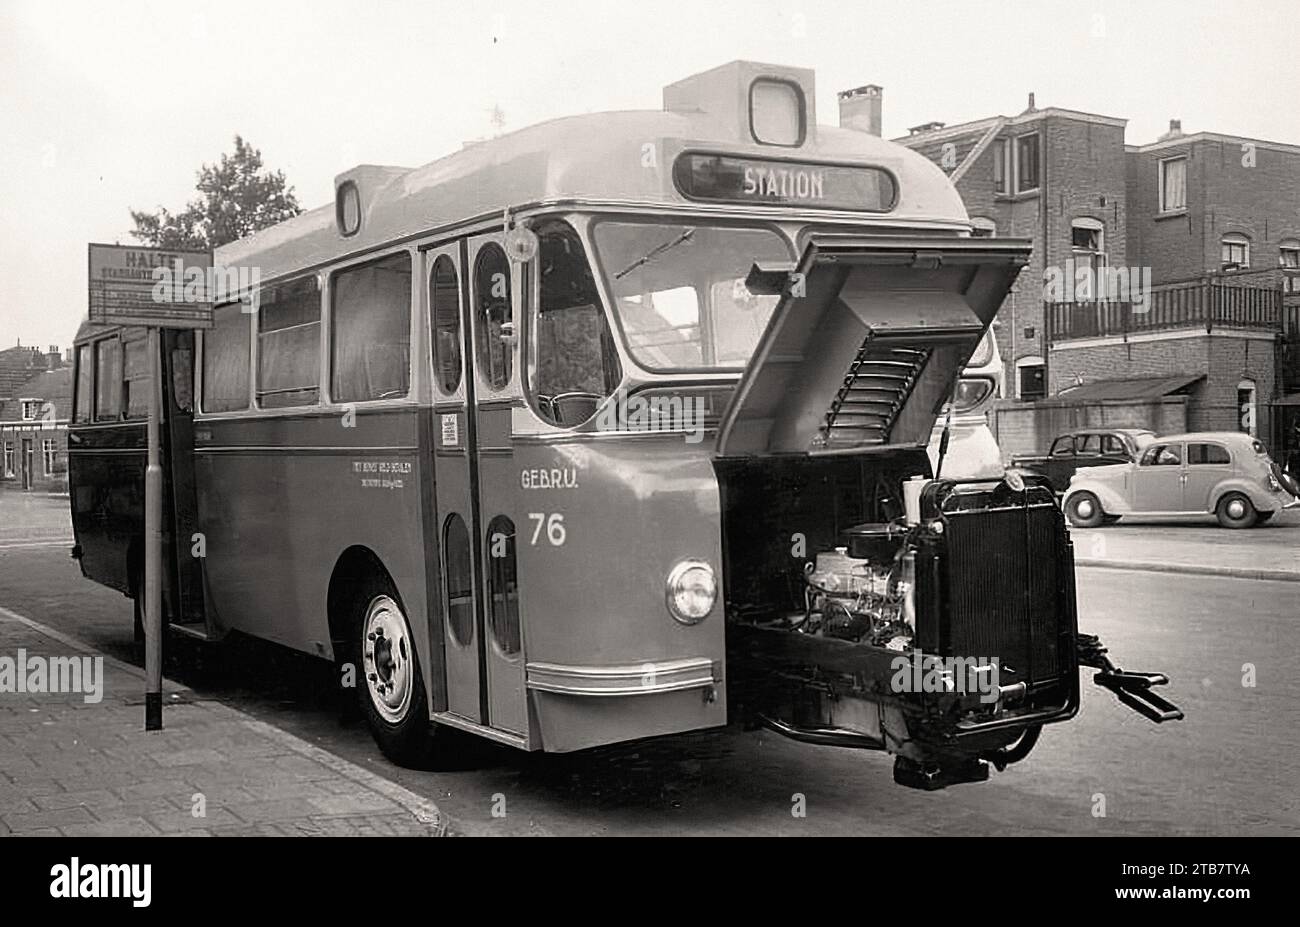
{"points": [[225, 360], [574, 364], [136, 375], [288, 345], [444, 298], [85, 383], [371, 343], [108, 379], [493, 310]]}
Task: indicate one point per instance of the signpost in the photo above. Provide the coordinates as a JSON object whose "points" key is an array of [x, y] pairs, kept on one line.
{"points": [[157, 288]]}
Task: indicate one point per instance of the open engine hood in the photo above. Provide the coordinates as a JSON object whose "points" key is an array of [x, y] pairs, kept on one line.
{"points": [[867, 353]]}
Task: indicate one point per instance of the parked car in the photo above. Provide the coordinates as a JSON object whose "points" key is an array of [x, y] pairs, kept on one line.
{"points": [[1224, 473], [1088, 447]]}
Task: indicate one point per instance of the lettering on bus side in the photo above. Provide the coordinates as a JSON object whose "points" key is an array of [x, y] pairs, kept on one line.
{"points": [[553, 478], [382, 474]]}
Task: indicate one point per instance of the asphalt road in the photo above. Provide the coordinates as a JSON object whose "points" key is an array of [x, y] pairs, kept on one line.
{"points": [[1230, 768]]}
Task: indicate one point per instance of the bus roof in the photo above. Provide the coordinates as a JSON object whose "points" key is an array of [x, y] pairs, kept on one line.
{"points": [[596, 158]]}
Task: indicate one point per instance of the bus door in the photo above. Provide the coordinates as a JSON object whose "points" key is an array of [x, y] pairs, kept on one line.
{"points": [[470, 304]]}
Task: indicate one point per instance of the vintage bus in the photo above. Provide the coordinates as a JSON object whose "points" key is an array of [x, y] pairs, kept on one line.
{"points": [[609, 428]]}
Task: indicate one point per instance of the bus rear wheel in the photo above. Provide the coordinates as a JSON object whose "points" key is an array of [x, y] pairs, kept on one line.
{"points": [[391, 687]]}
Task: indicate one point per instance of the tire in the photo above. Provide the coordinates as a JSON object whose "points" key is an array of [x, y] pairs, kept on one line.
{"points": [[390, 684], [1236, 511], [1084, 510]]}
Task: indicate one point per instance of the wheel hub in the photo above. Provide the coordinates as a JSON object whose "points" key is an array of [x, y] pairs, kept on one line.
{"points": [[1084, 508], [386, 650], [1236, 509]]}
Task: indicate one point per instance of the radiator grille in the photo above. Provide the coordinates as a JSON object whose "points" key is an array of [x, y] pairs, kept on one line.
{"points": [[1004, 590]]}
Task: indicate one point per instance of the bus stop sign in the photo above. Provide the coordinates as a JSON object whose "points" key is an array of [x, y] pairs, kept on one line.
{"points": [[150, 286]]}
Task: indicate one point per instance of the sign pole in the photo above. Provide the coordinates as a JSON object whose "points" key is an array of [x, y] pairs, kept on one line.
{"points": [[153, 477]]}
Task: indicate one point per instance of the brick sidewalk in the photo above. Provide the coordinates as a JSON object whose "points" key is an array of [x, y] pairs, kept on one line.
{"points": [[72, 768]]}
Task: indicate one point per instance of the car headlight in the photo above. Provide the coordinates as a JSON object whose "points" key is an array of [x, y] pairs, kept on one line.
{"points": [[692, 590], [971, 391]]}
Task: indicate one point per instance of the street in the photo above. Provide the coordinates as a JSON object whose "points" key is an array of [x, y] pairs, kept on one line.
{"points": [[1228, 769]]}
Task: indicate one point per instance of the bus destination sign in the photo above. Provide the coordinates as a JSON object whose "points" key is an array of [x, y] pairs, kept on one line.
{"points": [[132, 285], [730, 179]]}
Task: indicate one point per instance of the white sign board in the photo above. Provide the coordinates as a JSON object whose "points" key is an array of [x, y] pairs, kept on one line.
{"points": [[132, 285]]}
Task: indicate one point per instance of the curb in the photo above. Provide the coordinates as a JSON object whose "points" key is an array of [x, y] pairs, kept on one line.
{"points": [[419, 807], [1286, 576]]}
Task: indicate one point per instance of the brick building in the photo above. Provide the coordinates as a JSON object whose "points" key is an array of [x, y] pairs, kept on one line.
{"points": [[1211, 223], [34, 423]]}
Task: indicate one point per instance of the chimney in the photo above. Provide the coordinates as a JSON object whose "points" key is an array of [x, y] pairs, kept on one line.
{"points": [[67, 356], [1031, 107], [1175, 130], [53, 358], [860, 108]]}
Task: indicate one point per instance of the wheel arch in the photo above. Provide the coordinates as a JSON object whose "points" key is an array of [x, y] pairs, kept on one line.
{"points": [[1258, 499], [1111, 502]]}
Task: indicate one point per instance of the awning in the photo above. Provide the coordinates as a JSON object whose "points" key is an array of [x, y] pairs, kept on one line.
{"points": [[1148, 388]]}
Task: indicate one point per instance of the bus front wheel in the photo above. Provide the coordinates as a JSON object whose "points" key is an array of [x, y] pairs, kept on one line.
{"points": [[391, 687]]}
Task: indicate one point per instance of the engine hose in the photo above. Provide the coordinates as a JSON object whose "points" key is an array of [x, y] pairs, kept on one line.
{"points": [[1005, 756]]}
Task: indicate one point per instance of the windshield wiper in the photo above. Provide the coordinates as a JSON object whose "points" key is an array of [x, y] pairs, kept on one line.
{"points": [[654, 253]]}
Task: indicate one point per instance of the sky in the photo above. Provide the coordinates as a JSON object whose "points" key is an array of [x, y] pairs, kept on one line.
{"points": [[109, 106]]}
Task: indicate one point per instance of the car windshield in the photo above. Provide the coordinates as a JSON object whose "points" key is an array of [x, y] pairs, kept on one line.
{"points": [[679, 290]]}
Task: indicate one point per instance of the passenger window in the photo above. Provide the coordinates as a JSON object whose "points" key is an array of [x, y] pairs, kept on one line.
{"points": [[573, 364], [1207, 454], [1162, 455], [460, 579], [1063, 447], [225, 360], [503, 585], [108, 379], [444, 300], [493, 312], [85, 383], [136, 377], [288, 345], [1088, 445], [371, 331]]}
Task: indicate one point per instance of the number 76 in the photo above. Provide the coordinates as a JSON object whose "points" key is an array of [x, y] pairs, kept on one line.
{"points": [[555, 532]]}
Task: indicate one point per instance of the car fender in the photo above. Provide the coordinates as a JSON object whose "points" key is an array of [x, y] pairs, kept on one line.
{"points": [[1262, 499], [1113, 502]]}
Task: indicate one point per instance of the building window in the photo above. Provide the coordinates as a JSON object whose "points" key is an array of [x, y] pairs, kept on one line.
{"points": [[371, 325], [983, 228], [49, 455], [288, 345], [31, 410], [1031, 378], [1001, 165], [1173, 184], [1246, 407], [1088, 248], [9, 458], [1027, 163], [1288, 258], [1236, 252], [225, 359]]}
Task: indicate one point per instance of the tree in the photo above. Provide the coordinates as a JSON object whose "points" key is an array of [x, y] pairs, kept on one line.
{"points": [[237, 198]]}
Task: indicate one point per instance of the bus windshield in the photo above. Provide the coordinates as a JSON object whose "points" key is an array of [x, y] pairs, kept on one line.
{"points": [[679, 290]]}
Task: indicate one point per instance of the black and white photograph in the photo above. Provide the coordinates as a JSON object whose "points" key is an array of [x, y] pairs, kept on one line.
{"points": [[748, 419]]}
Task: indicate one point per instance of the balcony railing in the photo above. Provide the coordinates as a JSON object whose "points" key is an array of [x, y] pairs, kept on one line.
{"points": [[1196, 305]]}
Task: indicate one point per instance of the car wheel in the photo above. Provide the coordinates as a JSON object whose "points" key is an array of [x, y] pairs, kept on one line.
{"points": [[1084, 510], [1236, 511], [391, 687]]}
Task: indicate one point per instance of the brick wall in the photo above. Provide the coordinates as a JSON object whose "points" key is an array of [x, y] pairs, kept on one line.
{"points": [[1030, 427]]}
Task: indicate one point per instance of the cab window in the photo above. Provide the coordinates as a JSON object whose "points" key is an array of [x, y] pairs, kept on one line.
{"points": [[1207, 454], [1163, 455], [573, 364]]}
